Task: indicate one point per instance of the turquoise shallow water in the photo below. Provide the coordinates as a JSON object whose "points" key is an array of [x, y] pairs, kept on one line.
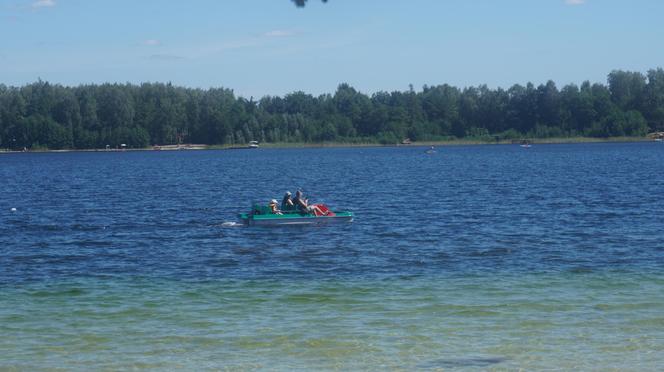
{"points": [[572, 321], [475, 258]]}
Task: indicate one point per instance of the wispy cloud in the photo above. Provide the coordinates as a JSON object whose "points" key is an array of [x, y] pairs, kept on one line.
{"points": [[165, 57], [193, 52], [279, 33], [10, 19], [575, 2], [43, 4], [227, 46], [151, 42]]}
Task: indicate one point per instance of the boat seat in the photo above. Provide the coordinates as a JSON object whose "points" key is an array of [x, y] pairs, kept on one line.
{"points": [[261, 209]]}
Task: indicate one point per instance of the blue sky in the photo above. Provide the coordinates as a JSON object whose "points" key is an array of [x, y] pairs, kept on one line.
{"points": [[271, 47]]}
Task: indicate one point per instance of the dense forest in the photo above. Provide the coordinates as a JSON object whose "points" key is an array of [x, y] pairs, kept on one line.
{"points": [[43, 115]]}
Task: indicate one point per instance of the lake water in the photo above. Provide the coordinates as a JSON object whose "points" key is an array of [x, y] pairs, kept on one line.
{"points": [[476, 257]]}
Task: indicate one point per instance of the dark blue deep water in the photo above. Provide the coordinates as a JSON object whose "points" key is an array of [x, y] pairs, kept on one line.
{"points": [[450, 256]]}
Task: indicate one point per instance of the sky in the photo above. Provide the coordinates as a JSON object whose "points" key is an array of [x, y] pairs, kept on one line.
{"points": [[271, 47]]}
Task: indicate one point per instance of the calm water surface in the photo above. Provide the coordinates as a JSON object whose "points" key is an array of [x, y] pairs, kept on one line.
{"points": [[478, 257]]}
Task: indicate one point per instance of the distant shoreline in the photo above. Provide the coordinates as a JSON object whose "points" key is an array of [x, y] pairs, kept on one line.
{"points": [[290, 145], [461, 142]]}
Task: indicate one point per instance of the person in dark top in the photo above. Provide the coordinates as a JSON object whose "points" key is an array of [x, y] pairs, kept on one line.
{"points": [[287, 202], [299, 202], [302, 205]]}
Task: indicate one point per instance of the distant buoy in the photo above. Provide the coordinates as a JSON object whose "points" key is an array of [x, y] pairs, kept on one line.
{"points": [[13, 209]]}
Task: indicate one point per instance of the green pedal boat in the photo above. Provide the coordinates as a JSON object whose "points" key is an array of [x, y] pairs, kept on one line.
{"points": [[263, 216]]}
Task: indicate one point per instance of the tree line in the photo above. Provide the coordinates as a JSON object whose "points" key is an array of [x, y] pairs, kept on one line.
{"points": [[44, 115]]}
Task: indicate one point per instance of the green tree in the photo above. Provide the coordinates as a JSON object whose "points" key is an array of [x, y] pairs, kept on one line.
{"points": [[627, 89], [653, 100]]}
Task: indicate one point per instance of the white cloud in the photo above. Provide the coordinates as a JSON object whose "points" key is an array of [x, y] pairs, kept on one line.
{"points": [[279, 33], [151, 42], [574, 2], [43, 3]]}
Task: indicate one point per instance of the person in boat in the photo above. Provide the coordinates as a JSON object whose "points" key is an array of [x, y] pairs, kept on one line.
{"points": [[287, 202], [302, 205], [274, 207]]}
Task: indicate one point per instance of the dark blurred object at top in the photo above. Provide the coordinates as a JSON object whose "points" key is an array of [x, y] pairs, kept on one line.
{"points": [[301, 3]]}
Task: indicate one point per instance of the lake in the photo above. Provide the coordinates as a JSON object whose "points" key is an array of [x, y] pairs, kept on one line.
{"points": [[475, 257]]}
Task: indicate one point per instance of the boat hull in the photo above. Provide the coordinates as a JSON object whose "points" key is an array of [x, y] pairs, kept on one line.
{"points": [[294, 219]]}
